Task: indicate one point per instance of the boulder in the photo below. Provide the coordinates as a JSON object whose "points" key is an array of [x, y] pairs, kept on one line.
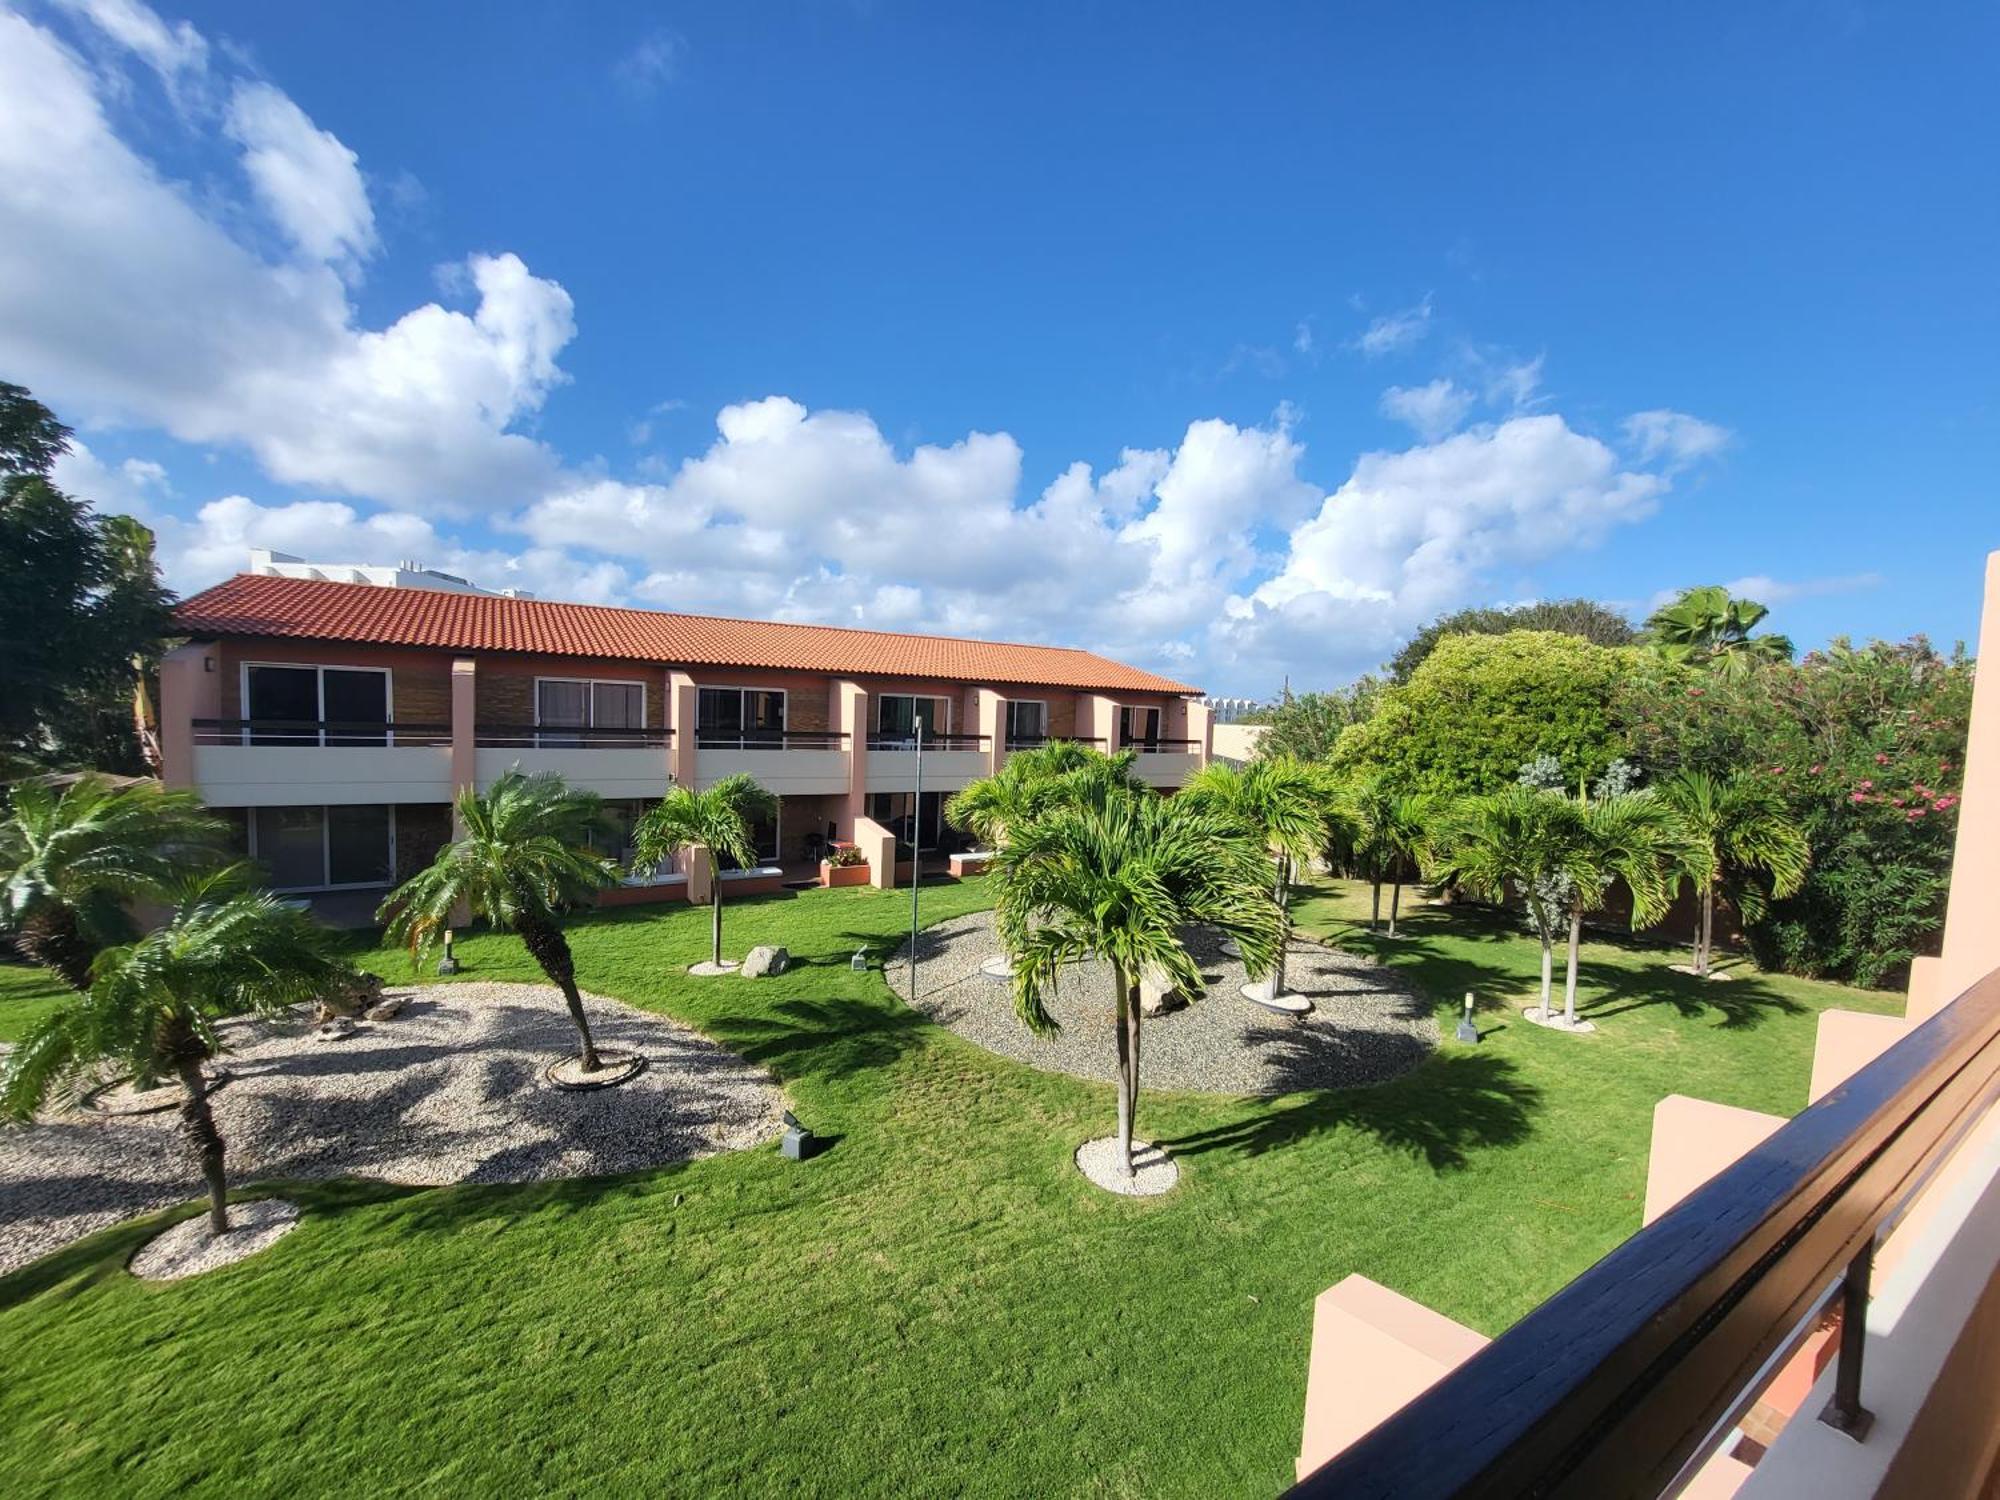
{"points": [[766, 959], [349, 997], [1157, 994], [387, 1008], [339, 1028]]}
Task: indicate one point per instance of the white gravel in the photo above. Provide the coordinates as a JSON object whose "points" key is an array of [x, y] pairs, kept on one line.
{"points": [[1153, 1171], [190, 1248], [449, 1091], [1365, 1024]]}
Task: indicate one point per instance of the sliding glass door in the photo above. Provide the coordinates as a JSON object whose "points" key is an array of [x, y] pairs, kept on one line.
{"points": [[740, 718], [322, 848], [901, 713], [566, 707], [288, 705]]}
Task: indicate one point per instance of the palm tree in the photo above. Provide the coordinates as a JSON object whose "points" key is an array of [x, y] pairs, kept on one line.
{"points": [[1290, 808], [1705, 627], [153, 1005], [1029, 781], [71, 860], [1734, 828], [1119, 874], [1390, 829], [1513, 840], [718, 819], [1630, 836], [523, 857]]}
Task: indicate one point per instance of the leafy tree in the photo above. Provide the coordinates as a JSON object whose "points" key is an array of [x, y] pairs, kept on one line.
{"points": [[1307, 726], [1480, 705], [80, 606], [1029, 781], [153, 1007], [1632, 837], [1705, 627], [1120, 875], [523, 857], [1585, 618], [73, 858], [1292, 809], [1513, 841], [719, 819], [1736, 831]]}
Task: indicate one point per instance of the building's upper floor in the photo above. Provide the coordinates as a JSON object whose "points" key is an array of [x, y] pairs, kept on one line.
{"points": [[307, 690]]}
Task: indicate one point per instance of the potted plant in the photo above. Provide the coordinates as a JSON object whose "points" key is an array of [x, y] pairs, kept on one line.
{"points": [[844, 864]]}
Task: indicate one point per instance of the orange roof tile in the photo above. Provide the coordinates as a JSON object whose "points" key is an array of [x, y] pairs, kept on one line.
{"points": [[314, 609]]}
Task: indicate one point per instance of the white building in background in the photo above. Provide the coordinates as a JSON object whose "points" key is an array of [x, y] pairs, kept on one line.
{"points": [[1232, 710], [404, 575]]}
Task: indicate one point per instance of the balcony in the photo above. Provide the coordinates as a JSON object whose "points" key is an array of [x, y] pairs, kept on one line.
{"points": [[1165, 763], [286, 762], [785, 762], [951, 761], [618, 763]]}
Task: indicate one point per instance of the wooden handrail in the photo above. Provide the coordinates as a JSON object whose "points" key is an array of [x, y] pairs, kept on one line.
{"points": [[1615, 1382]]}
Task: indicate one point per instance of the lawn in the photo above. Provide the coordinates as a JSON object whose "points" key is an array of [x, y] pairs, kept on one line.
{"points": [[938, 1305], [26, 994]]}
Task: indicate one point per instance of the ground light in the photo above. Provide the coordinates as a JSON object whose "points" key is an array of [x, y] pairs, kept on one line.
{"points": [[1467, 1032], [449, 963]]}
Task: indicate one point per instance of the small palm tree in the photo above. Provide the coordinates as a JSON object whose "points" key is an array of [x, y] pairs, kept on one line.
{"points": [[1292, 809], [1705, 627], [522, 858], [1510, 841], [152, 1008], [71, 860], [1390, 830], [1736, 829], [718, 819], [1119, 874], [1630, 836], [1031, 780]]}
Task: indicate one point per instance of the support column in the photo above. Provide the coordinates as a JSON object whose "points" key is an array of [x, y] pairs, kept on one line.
{"points": [[1971, 936], [1201, 729], [682, 703], [989, 717], [190, 689], [464, 736], [850, 717], [1097, 719]]}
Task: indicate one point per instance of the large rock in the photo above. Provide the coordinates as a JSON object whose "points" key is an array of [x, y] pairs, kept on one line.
{"points": [[766, 959], [1157, 994], [349, 997], [387, 1008]]}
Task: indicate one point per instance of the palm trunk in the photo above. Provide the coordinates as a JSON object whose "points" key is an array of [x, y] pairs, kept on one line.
{"points": [[1705, 939], [1284, 928], [1395, 903], [1569, 979], [1135, 1017], [199, 1123], [1548, 970], [715, 914], [1375, 918], [1124, 1041], [52, 939], [550, 949]]}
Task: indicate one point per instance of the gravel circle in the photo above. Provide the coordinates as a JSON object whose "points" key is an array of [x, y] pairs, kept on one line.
{"points": [[1365, 1024], [1153, 1171], [449, 1091], [190, 1248]]}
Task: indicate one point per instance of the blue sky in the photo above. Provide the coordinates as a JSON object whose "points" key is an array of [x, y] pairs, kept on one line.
{"points": [[1234, 340]]}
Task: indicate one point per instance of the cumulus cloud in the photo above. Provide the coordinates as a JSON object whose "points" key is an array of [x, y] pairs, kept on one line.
{"points": [[1395, 330], [1673, 437], [310, 182], [1433, 410]]}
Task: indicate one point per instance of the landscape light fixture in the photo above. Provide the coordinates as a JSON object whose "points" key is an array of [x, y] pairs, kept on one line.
{"points": [[1467, 1032], [449, 963], [859, 963], [799, 1142]]}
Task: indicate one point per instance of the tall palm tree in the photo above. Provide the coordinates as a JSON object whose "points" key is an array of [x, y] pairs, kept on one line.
{"points": [[1705, 627], [1390, 829], [522, 858], [1119, 874], [1631, 836], [71, 860], [1292, 809], [718, 819], [1511, 841], [153, 1005], [1030, 780], [1736, 829]]}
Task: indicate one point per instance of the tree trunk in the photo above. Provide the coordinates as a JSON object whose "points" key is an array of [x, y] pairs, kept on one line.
{"points": [[1124, 1041], [1569, 980], [1395, 903], [1136, 1016], [550, 949], [51, 938], [199, 1123], [1375, 917], [1705, 937], [1548, 969], [715, 913]]}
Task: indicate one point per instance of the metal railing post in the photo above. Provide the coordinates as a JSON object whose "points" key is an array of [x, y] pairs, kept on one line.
{"points": [[1844, 1412]]}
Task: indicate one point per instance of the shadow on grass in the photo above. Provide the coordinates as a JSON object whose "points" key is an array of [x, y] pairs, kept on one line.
{"points": [[822, 1039], [1443, 1112]]}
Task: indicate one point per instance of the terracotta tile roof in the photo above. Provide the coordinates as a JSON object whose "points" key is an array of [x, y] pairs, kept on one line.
{"points": [[312, 609]]}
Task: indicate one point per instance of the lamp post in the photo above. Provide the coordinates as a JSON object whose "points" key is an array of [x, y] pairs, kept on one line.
{"points": [[916, 854]]}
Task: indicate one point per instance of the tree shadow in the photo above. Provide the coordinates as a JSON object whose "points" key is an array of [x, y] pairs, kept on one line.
{"points": [[1742, 1003], [1443, 1112], [823, 1039]]}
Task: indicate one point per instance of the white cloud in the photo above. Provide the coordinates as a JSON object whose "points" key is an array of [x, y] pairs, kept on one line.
{"points": [[653, 64], [1765, 589], [171, 51], [1432, 410], [1673, 437], [1396, 330], [307, 180], [132, 487]]}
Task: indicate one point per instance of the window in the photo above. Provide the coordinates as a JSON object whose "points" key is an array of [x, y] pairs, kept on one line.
{"points": [[1027, 721], [901, 713], [763, 843], [578, 704], [740, 718], [892, 811], [320, 848], [288, 705], [1139, 726]]}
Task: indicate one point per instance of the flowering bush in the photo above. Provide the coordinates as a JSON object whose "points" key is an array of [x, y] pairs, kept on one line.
{"points": [[841, 856]]}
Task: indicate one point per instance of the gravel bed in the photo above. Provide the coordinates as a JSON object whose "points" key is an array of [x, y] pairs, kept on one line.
{"points": [[1153, 1171], [449, 1091], [189, 1248], [1365, 1024]]}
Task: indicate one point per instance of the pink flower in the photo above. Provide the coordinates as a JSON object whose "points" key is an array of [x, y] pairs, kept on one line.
{"points": [[1915, 812], [1696, 692], [1815, 770], [1945, 804], [1895, 801], [1775, 770], [1881, 760], [1866, 786], [1857, 796]]}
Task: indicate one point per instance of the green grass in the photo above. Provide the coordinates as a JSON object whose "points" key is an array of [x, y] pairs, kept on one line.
{"points": [[938, 1305], [26, 995]]}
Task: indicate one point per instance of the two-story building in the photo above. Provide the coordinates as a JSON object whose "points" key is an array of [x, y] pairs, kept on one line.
{"points": [[335, 721]]}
